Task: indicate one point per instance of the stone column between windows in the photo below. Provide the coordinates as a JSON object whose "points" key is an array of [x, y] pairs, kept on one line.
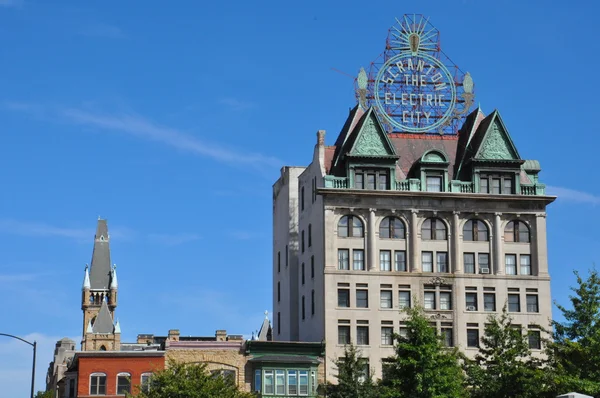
{"points": [[456, 263], [541, 245], [372, 242], [414, 243], [498, 263]]}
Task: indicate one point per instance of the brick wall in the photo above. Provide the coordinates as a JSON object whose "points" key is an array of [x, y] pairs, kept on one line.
{"points": [[112, 366]]}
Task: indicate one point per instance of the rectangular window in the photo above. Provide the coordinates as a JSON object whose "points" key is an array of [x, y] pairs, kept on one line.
{"points": [[302, 199], [343, 259], [484, 262], [344, 298], [445, 301], [358, 260], [483, 186], [511, 264], [145, 383], [362, 335], [496, 186], [278, 292], [309, 235], [278, 322], [287, 255], [362, 298], [535, 339], [429, 300], [434, 183], [302, 268], [386, 335], [359, 182], [472, 337], [343, 334], [302, 241], [403, 299], [312, 267], [400, 260], [278, 261], [442, 262], [312, 302], [383, 182], [280, 382], [98, 385], [371, 181], [303, 376], [489, 302], [427, 261], [313, 381], [447, 337], [403, 332], [508, 186], [303, 308], [525, 264], [471, 301], [292, 382], [269, 385], [386, 299], [385, 260], [532, 303], [514, 303], [469, 262]]}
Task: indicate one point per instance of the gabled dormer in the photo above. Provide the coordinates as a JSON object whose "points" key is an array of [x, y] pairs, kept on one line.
{"points": [[366, 158], [432, 170]]}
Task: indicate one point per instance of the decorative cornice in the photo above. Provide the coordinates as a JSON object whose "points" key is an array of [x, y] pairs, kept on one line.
{"points": [[437, 281]]}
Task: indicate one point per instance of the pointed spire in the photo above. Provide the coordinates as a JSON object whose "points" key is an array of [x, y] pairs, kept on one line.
{"points": [[89, 327], [117, 327], [100, 269], [104, 321], [86, 279], [113, 280]]}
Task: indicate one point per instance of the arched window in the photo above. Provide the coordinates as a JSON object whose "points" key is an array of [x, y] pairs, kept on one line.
{"points": [[476, 230], [145, 382], [434, 229], [516, 231], [98, 384], [350, 226], [123, 383], [392, 228]]}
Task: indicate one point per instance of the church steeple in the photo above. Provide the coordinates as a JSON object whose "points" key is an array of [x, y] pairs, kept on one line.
{"points": [[99, 284]]}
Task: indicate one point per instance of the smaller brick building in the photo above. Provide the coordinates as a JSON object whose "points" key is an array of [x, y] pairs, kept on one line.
{"points": [[110, 373]]}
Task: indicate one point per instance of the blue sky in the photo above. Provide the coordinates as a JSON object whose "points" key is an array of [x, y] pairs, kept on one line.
{"points": [[172, 121]]}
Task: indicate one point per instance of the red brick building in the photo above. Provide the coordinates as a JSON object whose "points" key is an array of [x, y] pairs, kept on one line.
{"points": [[110, 373]]}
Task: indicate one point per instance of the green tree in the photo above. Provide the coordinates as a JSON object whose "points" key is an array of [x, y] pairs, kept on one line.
{"points": [[504, 366], [422, 366], [355, 379], [44, 394], [574, 356], [180, 380]]}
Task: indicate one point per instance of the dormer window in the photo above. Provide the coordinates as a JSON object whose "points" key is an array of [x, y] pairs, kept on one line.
{"points": [[498, 184], [372, 179], [434, 182]]}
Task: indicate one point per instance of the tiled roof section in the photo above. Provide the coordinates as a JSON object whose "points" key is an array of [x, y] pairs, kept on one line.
{"points": [[104, 322], [329, 152], [353, 118], [411, 148], [524, 178], [100, 269], [465, 136]]}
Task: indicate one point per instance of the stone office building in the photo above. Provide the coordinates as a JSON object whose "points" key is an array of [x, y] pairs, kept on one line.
{"points": [[384, 220]]}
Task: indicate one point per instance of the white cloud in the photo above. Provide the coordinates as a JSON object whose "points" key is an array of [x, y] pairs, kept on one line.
{"points": [[572, 195], [140, 127], [16, 363], [104, 31], [11, 3], [26, 228], [236, 104], [15, 278]]}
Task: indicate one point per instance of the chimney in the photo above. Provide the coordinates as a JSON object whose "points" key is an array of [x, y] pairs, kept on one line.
{"points": [[173, 335], [221, 335], [321, 137]]}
